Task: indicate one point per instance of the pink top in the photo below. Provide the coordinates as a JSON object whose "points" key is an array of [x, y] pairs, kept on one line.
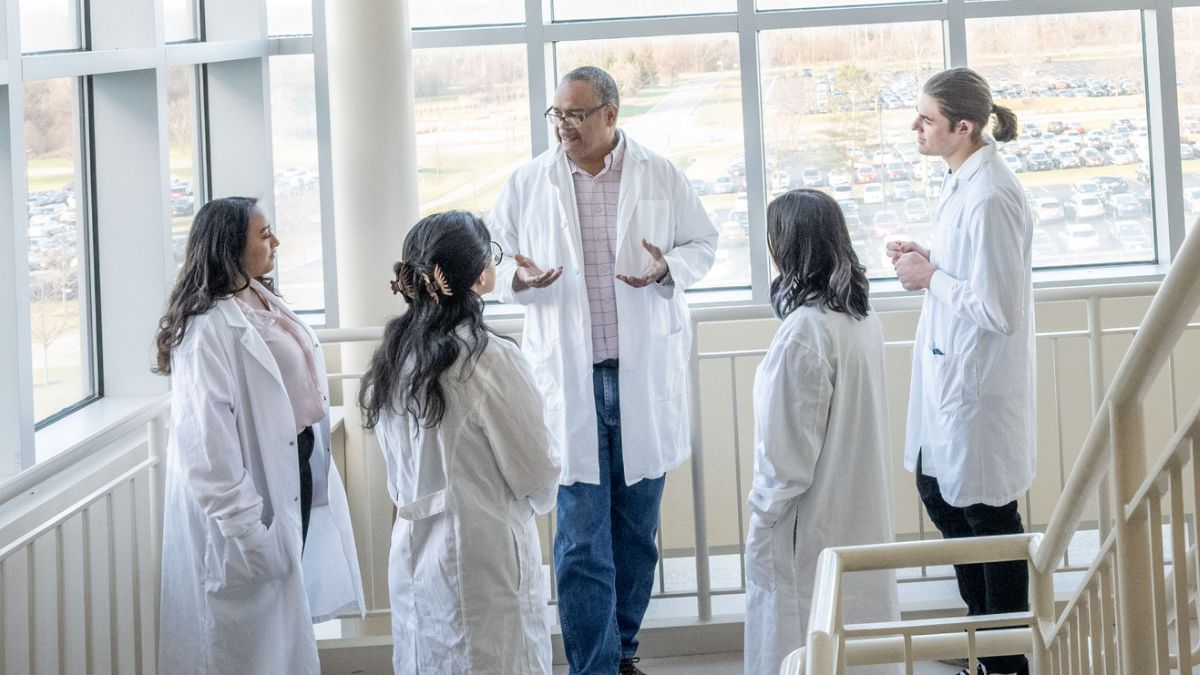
{"points": [[292, 349], [597, 198]]}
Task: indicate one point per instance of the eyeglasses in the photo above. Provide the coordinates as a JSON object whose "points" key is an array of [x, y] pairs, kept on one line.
{"points": [[497, 253], [572, 119]]}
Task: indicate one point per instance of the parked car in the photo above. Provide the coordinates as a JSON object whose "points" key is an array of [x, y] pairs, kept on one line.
{"points": [[872, 193], [1087, 187], [1067, 160], [1191, 199], [1121, 155], [781, 180], [1081, 237], [843, 193], [1038, 161], [1123, 205], [896, 171], [812, 178], [1044, 244], [1112, 184], [1131, 236], [916, 210], [839, 177], [1013, 163], [885, 222], [1048, 210], [725, 185], [865, 173], [181, 206], [900, 190], [700, 186], [1091, 157], [1081, 206]]}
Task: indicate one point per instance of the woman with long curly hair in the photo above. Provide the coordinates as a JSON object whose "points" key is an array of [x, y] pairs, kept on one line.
{"points": [[460, 420], [257, 542]]}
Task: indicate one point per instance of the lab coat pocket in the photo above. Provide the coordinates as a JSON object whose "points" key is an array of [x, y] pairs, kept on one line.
{"points": [[951, 383], [760, 553], [253, 559]]}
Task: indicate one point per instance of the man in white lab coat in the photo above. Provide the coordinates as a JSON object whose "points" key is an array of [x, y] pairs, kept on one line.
{"points": [[970, 436], [607, 235]]}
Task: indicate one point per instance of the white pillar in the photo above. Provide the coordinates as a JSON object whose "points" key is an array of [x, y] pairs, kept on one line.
{"points": [[373, 143]]}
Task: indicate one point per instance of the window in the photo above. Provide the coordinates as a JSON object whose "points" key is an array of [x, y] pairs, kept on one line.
{"points": [[681, 97], [1187, 66], [185, 156], [426, 14], [574, 10], [49, 25], [289, 17], [1076, 83], [60, 312], [817, 4], [472, 119], [297, 186], [837, 110], [179, 20]]}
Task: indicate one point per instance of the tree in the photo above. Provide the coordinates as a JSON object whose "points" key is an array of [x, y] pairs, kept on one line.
{"points": [[51, 289]]}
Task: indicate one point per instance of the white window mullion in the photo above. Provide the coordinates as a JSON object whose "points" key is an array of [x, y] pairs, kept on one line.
{"points": [[756, 190]]}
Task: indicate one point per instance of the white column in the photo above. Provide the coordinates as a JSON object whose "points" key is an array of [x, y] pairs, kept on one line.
{"points": [[373, 142]]}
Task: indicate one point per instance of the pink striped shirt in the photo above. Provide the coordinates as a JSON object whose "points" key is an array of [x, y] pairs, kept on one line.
{"points": [[597, 198]]}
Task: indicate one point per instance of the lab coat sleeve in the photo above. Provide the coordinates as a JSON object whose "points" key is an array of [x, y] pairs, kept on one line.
{"points": [[694, 247], [792, 398], [511, 414], [502, 225], [208, 446], [991, 297]]}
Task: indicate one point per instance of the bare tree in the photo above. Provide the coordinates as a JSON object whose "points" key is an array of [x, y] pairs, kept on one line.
{"points": [[52, 288]]}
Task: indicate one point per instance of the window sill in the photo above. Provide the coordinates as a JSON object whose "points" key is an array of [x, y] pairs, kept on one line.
{"points": [[89, 423]]}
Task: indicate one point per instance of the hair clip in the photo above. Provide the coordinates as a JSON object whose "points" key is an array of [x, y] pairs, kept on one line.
{"points": [[430, 288], [440, 278]]}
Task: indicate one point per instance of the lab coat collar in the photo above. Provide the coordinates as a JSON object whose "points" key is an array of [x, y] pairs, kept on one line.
{"points": [[249, 338], [977, 159]]}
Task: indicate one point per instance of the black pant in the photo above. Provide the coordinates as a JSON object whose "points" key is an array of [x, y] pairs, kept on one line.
{"points": [[987, 588], [304, 446]]}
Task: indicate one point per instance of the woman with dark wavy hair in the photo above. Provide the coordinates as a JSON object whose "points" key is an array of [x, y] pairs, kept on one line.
{"points": [[249, 481], [459, 417], [821, 465]]}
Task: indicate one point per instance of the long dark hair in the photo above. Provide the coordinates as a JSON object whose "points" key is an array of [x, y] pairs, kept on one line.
{"points": [[810, 244], [444, 254], [963, 94], [213, 268]]}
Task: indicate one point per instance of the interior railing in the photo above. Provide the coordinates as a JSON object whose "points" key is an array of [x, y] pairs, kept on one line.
{"points": [[1132, 612]]}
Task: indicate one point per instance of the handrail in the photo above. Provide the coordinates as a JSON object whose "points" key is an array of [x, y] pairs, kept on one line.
{"points": [[1170, 312]]}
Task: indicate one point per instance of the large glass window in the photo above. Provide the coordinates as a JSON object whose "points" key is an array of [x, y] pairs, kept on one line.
{"points": [[1076, 83], [49, 25], [184, 151], [59, 310], [1187, 65], [472, 117], [297, 184], [682, 97], [837, 110], [289, 17], [179, 20], [573, 10], [817, 4], [426, 14]]}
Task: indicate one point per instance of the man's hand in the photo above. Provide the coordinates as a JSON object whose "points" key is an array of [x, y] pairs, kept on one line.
{"points": [[895, 249], [529, 275], [913, 271], [653, 272]]}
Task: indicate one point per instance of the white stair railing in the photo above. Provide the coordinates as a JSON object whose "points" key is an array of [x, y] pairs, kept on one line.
{"points": [[1129, 614]]}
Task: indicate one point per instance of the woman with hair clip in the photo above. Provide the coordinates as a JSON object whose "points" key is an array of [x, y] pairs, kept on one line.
{"points": [[257, 543], [459, 418], [821, 459]]}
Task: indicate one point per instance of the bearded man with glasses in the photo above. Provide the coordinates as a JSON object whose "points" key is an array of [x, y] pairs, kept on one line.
{"points": [[605, 236]]}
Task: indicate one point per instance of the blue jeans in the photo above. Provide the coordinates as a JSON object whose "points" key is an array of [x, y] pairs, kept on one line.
{"points": [[604, 549]]}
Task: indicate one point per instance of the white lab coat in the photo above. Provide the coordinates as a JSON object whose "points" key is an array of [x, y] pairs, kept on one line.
{"points": [[971, 404], [465, 570], [536, 216], [821, 479], [236, 596]]}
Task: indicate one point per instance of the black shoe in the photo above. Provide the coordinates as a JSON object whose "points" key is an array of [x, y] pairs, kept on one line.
{"points": [[981, 670], [627, 667]]}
